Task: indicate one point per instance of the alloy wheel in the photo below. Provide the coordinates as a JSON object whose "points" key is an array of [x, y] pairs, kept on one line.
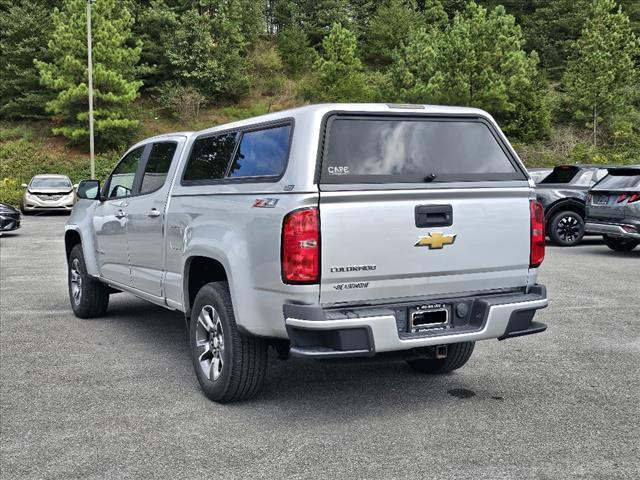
{"points": [[569, 228], [210, 342], [76, 281]]}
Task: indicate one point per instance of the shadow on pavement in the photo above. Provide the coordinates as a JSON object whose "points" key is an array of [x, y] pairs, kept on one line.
{"points": [[293, 387]]}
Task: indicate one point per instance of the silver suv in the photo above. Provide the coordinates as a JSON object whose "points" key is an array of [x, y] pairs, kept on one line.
{"points": [[328, 231]]}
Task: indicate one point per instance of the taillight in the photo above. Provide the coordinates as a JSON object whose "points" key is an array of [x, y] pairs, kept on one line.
{"points": [[536, 255], [621, 198], [301, 246], [634, 198]]}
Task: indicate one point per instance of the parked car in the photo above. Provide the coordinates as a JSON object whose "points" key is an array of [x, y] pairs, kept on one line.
{"points": [[613, 209], [48, 193], [328, 231], [563, 193], [9, 218], [538, 174]]}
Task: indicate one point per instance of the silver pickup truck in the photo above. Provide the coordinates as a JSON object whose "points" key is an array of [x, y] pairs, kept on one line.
{"points": [[345, 230]]}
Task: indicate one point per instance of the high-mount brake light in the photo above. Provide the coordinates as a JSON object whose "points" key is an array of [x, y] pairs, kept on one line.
{"points": [[536, 255], [300, 254]]}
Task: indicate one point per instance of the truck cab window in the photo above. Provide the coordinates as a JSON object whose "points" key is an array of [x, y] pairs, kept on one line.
{"points": [[209, 158], [262, 153], [157, 167], [120, 183]]}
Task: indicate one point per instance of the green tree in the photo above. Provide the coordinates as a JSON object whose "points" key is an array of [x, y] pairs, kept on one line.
{"points": [[550, 28], [318, 16], [252, 20], [281, 14], [478, 61], [414, 73], [208, 52], [392, 24], [293, 46], [155, 26], [435, 16], [25, 29], [602, 78], [114, 67], [339, 74]]}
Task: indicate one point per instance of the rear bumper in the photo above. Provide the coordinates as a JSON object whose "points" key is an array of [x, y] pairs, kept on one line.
{"points": [[366, 331], [620, 230]]}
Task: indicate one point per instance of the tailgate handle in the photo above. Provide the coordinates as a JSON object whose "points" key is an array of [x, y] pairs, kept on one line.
{"points": [[434, 216]]}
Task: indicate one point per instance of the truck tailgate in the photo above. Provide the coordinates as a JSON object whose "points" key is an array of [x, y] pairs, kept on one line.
{"points": [[373, 249]]}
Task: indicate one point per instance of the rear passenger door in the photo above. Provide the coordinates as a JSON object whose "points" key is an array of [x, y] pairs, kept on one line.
{"points": [[145, 216]]}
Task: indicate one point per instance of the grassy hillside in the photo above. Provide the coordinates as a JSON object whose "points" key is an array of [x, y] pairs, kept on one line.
{"points": [[29, 148]]}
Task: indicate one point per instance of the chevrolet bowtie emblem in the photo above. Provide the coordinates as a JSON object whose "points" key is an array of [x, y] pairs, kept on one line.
{"points": [[435, 240]]}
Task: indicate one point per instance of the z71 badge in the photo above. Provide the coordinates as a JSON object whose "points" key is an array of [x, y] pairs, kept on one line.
{"points": [[435, 240]]}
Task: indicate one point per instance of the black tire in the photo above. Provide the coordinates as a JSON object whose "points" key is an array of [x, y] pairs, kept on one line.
{"points": [[93, 298], [619, 244], [457, 355], [239, 360], [566, 228]]}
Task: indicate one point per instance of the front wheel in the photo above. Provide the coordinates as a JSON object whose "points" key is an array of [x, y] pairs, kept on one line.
{"points": [[619, 244], [457, 355], [89, 297], [23, 210], [566, 228], [230, 365]]}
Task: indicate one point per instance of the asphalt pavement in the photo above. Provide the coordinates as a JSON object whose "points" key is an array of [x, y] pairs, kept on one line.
{"points": [[116, 397]]}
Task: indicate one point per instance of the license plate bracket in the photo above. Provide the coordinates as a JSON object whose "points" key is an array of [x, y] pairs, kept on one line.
{"points": [[429, 316]]}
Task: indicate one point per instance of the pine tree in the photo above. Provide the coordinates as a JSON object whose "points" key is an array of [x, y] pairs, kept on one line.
{"points": [[114, 68], [602, 77], [155, 26], [318, 16], [25, 28], [339, 71], [293, 46], [414, 71], [478, 61], [392, 24], [209, 53]]}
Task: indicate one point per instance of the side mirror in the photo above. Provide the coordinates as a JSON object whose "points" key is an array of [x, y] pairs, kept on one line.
{"points": [[89, 189], [24, 185], [75, 186]]}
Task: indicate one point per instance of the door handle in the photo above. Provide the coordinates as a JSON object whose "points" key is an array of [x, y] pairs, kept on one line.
{"points": [[153, 213], [120, 214], [434, 216]]}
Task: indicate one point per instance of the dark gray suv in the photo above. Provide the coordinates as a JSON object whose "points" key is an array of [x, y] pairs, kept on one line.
{"points": [[613, 208], [563, 194]]}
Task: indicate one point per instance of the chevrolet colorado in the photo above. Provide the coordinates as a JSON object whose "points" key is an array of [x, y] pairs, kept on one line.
{"points": [[327, 231]]}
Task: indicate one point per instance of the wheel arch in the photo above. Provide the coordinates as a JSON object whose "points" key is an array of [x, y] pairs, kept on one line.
{"points": [[71, 239], [571, 204], [198, 271]]}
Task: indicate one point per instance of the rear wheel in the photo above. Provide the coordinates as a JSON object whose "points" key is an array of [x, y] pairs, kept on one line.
{"points": [[230, 365], [619, 244], [89, 297], [457, 355], [566, 228]]}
